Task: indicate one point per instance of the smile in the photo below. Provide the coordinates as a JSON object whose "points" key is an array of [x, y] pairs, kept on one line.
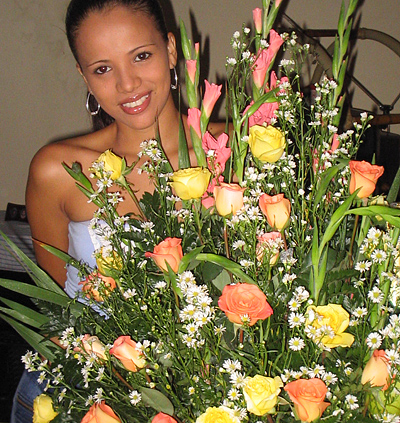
{"points": [[136, 103]]}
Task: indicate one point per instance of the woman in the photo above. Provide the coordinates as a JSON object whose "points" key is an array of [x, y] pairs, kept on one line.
{"points": [[125, 57]]}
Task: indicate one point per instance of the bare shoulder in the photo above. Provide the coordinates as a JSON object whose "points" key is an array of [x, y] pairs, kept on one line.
{"points": [[47, 162]]}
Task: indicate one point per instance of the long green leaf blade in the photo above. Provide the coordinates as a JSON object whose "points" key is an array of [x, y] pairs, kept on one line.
{"points": [[38, 342], [40, 277], [23, 313]]}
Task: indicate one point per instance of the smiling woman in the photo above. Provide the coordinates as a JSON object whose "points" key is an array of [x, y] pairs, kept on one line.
{"points": [[125, 56]]}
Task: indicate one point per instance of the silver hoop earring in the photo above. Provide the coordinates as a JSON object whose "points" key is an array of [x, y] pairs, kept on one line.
{"points": [[88, 105], [174, 85]]}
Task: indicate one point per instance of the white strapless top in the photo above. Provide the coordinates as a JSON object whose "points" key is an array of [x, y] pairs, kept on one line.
{"points": [[81, 248]]}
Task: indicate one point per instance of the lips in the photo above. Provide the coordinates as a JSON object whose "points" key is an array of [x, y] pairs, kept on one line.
{"points": [[136, 104]]}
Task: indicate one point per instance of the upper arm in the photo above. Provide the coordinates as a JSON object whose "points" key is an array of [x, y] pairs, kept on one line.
{"points": [[45, 196]]}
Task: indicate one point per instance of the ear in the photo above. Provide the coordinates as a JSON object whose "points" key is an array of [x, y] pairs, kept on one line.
{"points": [[78, 67], [172, 52]]}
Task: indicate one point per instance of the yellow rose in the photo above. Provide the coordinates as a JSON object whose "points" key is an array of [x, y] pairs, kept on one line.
{"points": [[267, 144], [112, 163], [336, 318], [108, 263], [261, 393], [190, 183], [217, 415], [43, 411]]}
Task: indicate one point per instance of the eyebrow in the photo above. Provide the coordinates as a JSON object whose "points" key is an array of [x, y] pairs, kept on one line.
{"points": [[129, 53]]}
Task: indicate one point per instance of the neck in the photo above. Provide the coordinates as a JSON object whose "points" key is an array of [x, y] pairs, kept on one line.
{"points": [[127, 140]]}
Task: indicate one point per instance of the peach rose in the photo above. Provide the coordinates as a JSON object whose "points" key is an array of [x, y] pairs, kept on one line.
{"points": [[43, 411], [308, 397], [276, 209], [261, 393], [167, 251], [269, 244], [244, 301], [228, 198], [100, 413], [92, 345], [163, 418], [125, 350], [97, 286], [364, 175], [376, 371]]}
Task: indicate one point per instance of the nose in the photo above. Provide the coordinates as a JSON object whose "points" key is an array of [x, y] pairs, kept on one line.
{"points": [[128, 80]]}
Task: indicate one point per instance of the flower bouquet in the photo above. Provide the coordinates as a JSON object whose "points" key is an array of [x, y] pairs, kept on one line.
{"points": [[261, 285]]}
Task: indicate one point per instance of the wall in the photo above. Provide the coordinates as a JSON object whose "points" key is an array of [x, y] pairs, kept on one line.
{"points": [[43, 96]]}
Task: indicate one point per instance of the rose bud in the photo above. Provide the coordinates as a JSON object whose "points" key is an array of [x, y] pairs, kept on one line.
{"points": [[308, 396], [167, 251], [43, 411], [364, 175], [125, 350], [228, 198], [190, 183], [376, 371], [276, 209], [100, 413]]}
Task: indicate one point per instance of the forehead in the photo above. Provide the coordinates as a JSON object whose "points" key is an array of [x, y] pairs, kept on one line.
{"points": [[113, 31]]}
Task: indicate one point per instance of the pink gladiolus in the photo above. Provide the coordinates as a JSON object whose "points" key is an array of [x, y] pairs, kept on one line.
{"points": [[257, 18], [263, 114], [211, 96], [193, 120], [265, 57], [197, 48], [191, 66], [208, 199], [335, 143], [274, 82], [222, 152]]}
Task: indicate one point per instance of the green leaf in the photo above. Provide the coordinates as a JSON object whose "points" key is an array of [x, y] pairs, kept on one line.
{"points": [[227, 264], [76, 172], [157, 400], [186, 45], [336, 220], [222, 280], [188, 258], [326, 179], [35, 340], [394, 188], [23, 313], [41, 294], [41, 278]]}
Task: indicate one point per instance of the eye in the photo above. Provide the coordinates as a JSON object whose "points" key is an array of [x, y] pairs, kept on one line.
{"points": [[102, 69], [143, 56]]}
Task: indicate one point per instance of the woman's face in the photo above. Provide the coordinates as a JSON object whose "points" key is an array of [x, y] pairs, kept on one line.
{"points": [[126, 65]]}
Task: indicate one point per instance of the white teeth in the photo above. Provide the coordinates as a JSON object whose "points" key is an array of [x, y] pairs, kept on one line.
{"points": [[137, 103]]}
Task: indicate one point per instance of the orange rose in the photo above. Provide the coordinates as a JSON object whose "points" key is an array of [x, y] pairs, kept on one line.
{"points": [[244, 300], [167, 251], [91, 344], [276, 208], [125, 350], [96, 285], [364, 175], [100, 413], [228, 198], [308, 396], [163, 418], [376, 371], [269, 244]]}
